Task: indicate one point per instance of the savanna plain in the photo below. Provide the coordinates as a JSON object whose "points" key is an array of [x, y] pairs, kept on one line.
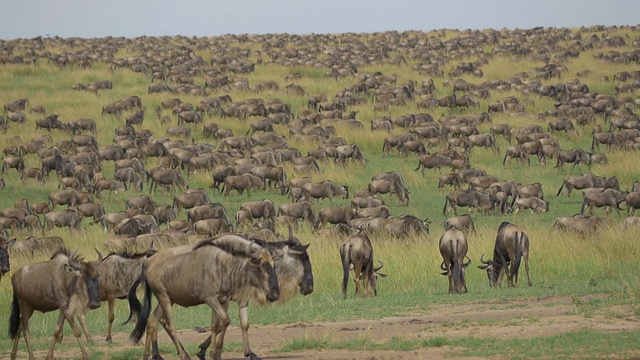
{"points": [[584, 298]]}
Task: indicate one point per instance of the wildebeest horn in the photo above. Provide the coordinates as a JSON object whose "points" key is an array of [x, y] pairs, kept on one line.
{"points": [[99, 254], [443, 268], [465, 264], [376, 269], [483, 261]]}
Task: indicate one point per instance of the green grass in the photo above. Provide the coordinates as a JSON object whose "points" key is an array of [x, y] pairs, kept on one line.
{"points": [[562, 264]]}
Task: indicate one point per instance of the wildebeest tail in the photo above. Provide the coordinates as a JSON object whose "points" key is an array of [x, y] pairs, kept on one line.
{"points": [[516, 267], [446, 203], [345, 255], [560, 190], [141, 325], [134, 304], [583, 207], [505, 158], [14, 319]]}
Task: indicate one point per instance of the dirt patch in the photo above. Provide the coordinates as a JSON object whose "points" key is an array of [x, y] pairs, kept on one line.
{"points": [[520, 318]]}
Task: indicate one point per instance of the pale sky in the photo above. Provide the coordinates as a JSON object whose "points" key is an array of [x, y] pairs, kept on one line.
{"points": [[131, 18]]}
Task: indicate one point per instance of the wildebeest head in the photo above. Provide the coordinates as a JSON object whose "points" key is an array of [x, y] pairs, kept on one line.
{"points": [[77, 267], [263, 275], [4, 258]]}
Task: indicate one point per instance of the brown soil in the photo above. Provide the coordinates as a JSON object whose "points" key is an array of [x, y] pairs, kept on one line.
{"points": [[521, 318]]}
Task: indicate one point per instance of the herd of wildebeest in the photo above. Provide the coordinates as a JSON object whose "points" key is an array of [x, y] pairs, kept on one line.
{"points": [[241, 257]]}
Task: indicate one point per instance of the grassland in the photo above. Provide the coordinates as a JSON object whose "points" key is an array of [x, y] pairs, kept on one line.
{"points": [[562, 264]]}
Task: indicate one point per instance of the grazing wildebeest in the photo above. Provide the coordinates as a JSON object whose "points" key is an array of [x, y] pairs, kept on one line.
{"points": [[209, 211], [516, 151], [228, 268], [128, 176], [530, 190], [470, 198], [357, 253], [212, 227], [294, 271], [220, 174], [5, 265], [453, 248], [607, 198], [632, 200], [608, 138], [532, 203], [90, 209], [345, 152], [142, 202], [575, 156], [512, 244], [582, 224], [69, 218], [359, 202], [16, 105], [588, 180], [164, 214], [135, 118], [463, 223], [31, 245], [241, 183], [13, 162], [325, 189], [65, 282]]}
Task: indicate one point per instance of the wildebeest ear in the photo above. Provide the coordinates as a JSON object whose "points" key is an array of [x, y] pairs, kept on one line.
{"points": [[70, 268]]}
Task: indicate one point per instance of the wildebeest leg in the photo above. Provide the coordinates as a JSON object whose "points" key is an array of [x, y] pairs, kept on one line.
{"points": [[203, 348], [83, 324], [357, 273], [25, 314], [110, 303], [152, 335], [244, 325], [219, 323], [165, 305]]}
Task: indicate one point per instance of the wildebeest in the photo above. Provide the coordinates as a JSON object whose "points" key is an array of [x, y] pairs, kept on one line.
{"points": [[260, 209], [96, 211], [588, 180], [357, 253], [431, 161], [190, 200], [212, 227], [5, 265], [208, 211], [65, 218], [470, 198], [300, 210], [224, 269], [345, 152], [390, 186], [335, 215], [532, 203], [16, 105], [453, 248], [575, 156], [324, 189], [562, 124], [582, 224], [294, 271], [483, 140], [463, 223], [241, 183], [108, 184], [171, 178], [64, 197], [607, 198], [13, 162], [516, 151], [31, 245], [128, 176], [512, 244], [65, 282]]}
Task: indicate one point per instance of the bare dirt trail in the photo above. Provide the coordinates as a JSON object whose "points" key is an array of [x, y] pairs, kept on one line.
{"points": [[521, 318]]}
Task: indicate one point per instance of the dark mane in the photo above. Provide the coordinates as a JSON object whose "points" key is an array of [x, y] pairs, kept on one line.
{"points": [[128, 254], [73, 257]]}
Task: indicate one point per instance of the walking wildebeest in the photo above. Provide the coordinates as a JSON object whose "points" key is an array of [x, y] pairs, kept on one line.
{"points": [[335, 215], [260, 209], [470, 198], [64, 197], [607, 198], [433, 161], [31, 245], [65, 282], [165, 177], [532, 203], [229, 268], [588, 180], [512, 244], [453, 248], [300, 210], [391, 187], [357, 253], [325, 189], [575, 156], [241, 183], [293, 268]]}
